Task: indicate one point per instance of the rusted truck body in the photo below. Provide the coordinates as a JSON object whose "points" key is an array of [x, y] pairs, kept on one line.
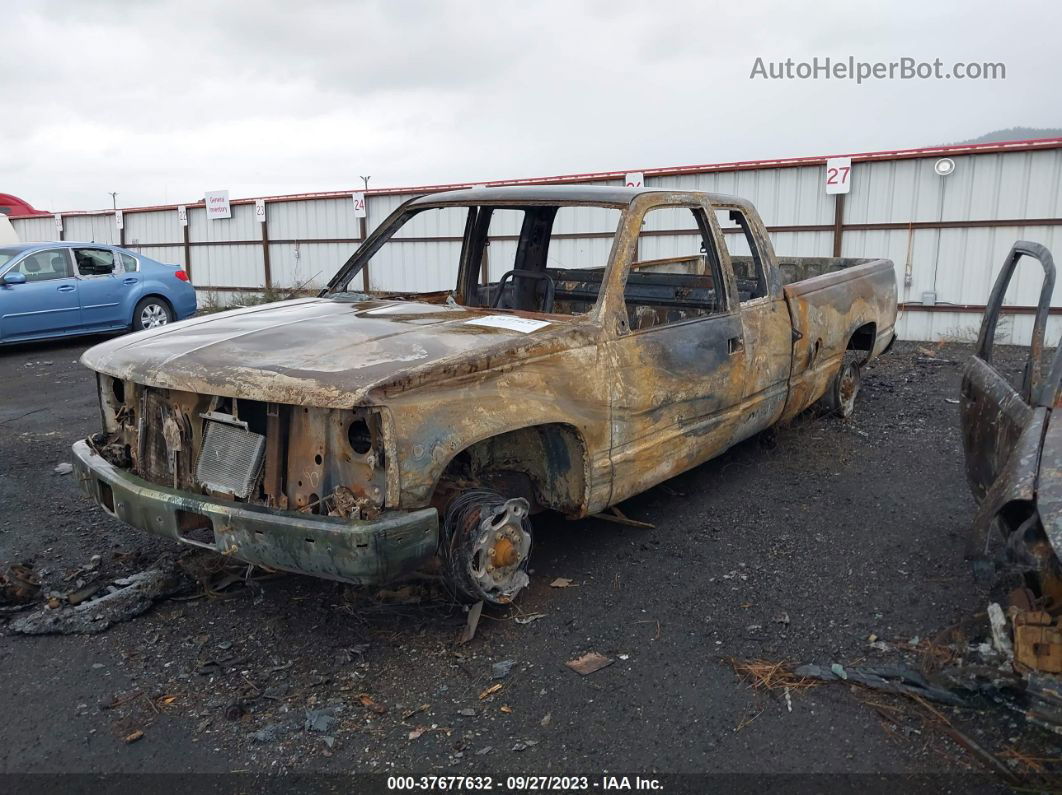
{"points": [[363, 438], [1013, 440]]}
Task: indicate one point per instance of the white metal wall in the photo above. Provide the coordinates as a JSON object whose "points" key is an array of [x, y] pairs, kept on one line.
{"points": [[311, 238], [33, 229]]}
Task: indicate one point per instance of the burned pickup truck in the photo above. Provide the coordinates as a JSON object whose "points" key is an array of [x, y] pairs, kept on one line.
{"points": [[570, 347]]}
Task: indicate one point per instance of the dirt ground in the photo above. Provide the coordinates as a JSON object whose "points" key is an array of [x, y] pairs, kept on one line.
{"points": [[798, 545]]}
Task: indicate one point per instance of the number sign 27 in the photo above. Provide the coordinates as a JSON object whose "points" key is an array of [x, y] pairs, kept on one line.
{"points": [[838, 174]]}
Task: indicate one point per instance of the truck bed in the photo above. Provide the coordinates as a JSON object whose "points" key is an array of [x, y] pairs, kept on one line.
{"points": [[835, 304], [796, 269]]}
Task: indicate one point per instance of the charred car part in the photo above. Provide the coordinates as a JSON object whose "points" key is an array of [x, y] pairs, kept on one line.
{"points": [[486, 545], [328, 436], [1013, 443], [278, 456]]}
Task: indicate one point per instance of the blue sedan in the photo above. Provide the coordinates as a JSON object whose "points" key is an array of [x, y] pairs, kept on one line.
{"points": [[64, 289]]}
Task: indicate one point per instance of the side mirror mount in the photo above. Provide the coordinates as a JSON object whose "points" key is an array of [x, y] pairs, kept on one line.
{"points": [[15, 277]]}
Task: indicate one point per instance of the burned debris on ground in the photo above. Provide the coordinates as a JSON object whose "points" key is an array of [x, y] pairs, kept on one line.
{"points": [[287, 673]]}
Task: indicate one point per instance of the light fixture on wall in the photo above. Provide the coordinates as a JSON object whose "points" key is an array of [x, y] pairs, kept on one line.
{"points": [[944, 166]]}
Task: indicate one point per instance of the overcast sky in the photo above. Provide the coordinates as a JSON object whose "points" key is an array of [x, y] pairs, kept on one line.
{"points": [[163, 100]]}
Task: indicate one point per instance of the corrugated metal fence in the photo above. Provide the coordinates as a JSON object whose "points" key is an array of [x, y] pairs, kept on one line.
{"points": [[947, 235]]}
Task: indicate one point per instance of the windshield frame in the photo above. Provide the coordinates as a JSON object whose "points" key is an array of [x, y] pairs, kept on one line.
{"points": [[341, 282], [467, 274]]}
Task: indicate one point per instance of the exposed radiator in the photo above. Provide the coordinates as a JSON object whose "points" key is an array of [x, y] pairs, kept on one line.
{"points": [[231, 459]]}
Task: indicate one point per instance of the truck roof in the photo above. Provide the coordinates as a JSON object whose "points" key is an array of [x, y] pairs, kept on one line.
{"points": [[549, 194]]}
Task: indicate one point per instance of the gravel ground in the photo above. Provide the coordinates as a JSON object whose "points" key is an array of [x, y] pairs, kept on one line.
{"points": [[796, 545]]}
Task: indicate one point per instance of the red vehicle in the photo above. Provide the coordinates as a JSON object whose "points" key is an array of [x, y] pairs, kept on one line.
{"points": [[13, 206]]}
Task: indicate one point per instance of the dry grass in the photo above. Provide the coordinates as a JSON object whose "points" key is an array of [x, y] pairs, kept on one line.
{"points": [[211, 301], [1037, 764], [960, 334], [750, 715], [767, 675], [933, 655]]}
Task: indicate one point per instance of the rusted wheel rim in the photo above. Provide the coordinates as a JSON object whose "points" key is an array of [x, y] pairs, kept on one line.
{"points": [[498, 560], [847, 389], [488, 543]]}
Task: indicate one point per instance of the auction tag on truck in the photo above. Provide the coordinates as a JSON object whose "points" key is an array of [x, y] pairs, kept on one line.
{"points": [[521, 324]]}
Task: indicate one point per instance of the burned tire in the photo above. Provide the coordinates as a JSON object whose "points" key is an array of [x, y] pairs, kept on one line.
{"points": [[486, 545], [841, 397]]}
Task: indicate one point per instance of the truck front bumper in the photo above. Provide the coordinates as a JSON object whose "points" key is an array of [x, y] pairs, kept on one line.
{"points": [[357, 552]]}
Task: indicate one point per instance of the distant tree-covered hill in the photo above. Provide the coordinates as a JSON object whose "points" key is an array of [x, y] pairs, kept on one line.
{"points": [[1012, 134]]}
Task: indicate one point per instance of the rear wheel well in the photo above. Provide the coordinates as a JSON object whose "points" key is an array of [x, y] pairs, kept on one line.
{"points": [[158, 296], [863, 339], [544, 464]]}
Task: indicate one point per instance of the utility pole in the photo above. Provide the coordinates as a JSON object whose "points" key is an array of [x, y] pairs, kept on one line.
{"points": [[366, 181], [114, 199]]}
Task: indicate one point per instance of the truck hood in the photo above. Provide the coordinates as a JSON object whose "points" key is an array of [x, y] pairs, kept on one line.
{"points": [[321, 352]]}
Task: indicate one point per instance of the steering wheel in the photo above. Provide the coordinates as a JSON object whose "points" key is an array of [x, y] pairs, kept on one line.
{"points": [[551, 287]]}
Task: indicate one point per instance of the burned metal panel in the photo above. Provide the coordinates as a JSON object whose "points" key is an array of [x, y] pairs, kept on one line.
{"points": [[826, 312], [322, 353], [768, 344], [323, 461], [994, 417], [336, 462], [796, 269], [766, 324], [358, 552], [544, 463], [676, 399], [823, 302], [1033, 379], [278, 420], [305, 459], [678, 381], [437, 419], [438, 393], [1049, 484], [1015, 475]]}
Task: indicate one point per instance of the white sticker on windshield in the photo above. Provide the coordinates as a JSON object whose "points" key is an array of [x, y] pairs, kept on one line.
{"points": [[522, 324]]}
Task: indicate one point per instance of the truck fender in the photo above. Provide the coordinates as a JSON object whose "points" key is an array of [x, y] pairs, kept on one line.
{"points": [[553, 456]]}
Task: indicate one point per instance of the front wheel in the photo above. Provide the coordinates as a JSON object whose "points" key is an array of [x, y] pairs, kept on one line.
{"points": [[486, 545], [151, 313]]}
